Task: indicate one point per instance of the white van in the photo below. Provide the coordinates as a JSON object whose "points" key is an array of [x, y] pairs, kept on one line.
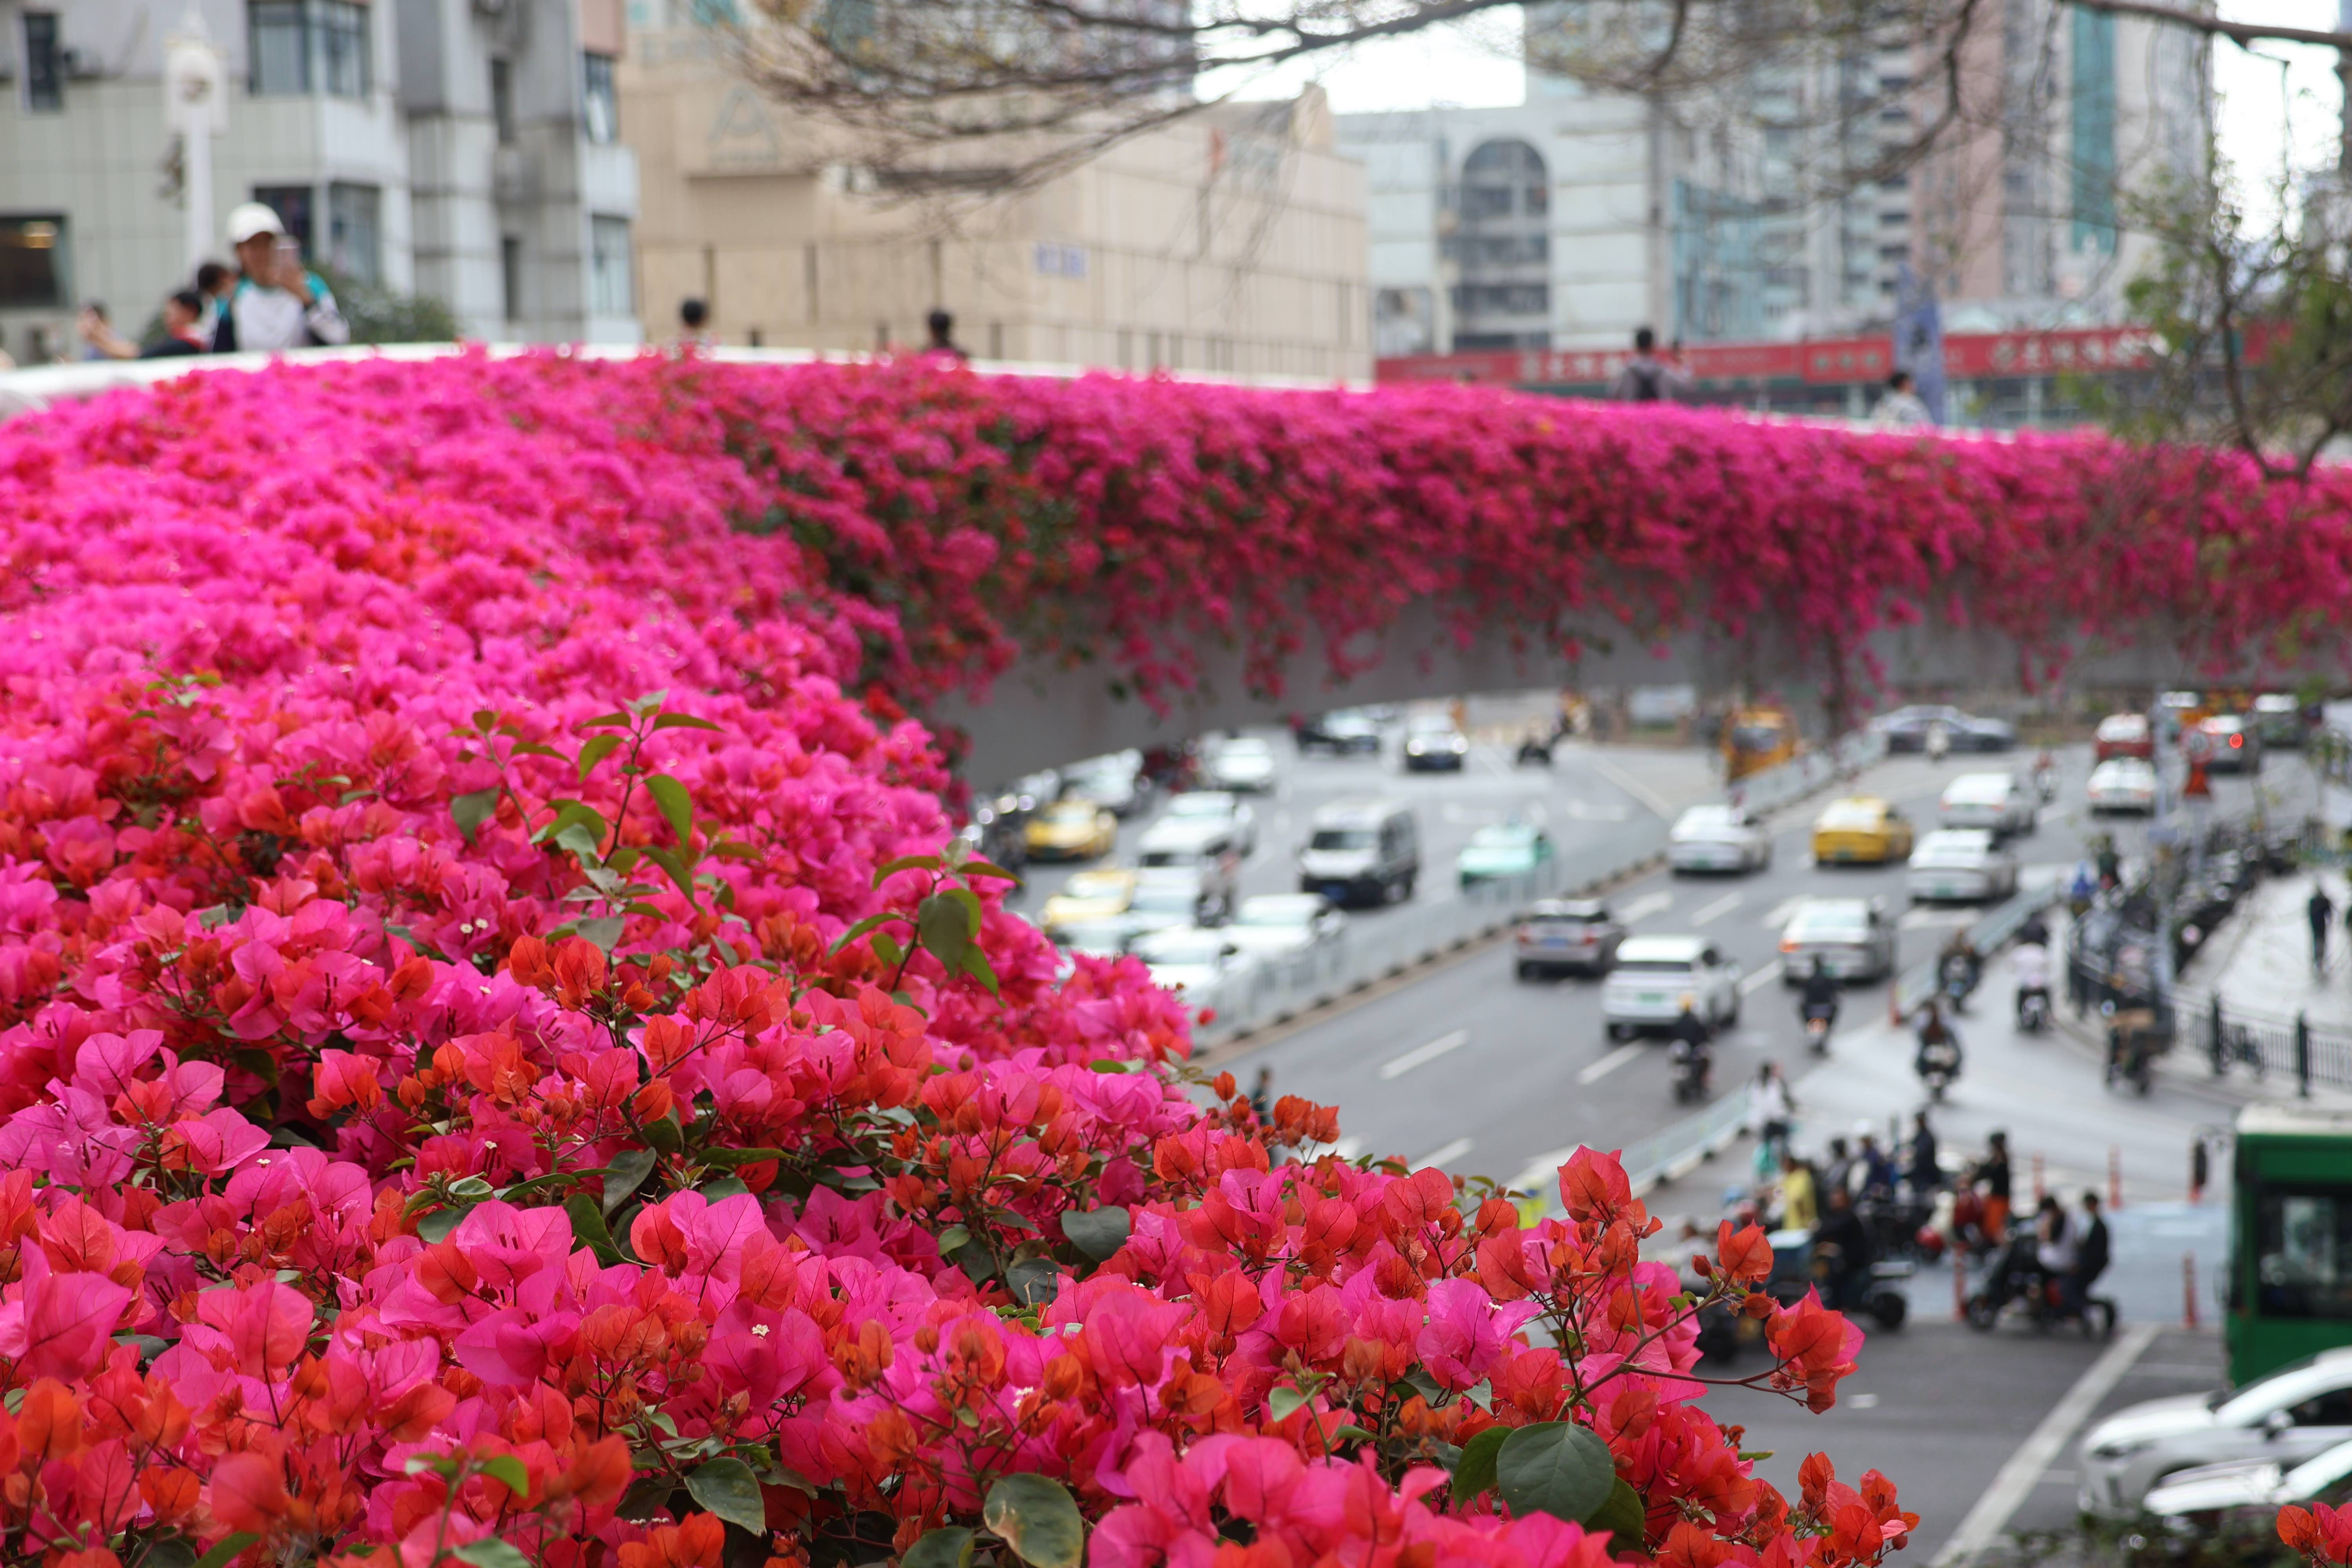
{"points": [[1361, 852]]}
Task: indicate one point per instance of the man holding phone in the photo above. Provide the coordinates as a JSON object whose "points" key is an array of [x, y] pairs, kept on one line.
{"points": [[278, 303]]}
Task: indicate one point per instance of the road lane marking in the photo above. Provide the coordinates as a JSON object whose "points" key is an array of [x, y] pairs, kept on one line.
{"points": [[1585, 810], [1422, 1055], [1611, 1063], [1645, 906], [1925, 919], [2018, 1477], [1778, 915], [1754, 983], [1453, 1151], [1628, 782], [1722, 906]]}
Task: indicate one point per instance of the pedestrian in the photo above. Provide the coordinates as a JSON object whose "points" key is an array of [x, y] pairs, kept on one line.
{"points": [[1902, 408], [941, 326], [183, 328], [2090, 1254], [1801, 1194], [1837, 1170], [1874, 1173], [1843, 1243], [1992, 1175], [694, 326], [1923, 1173], [1770, 1109], [278, 303], [1261, 1094], [2320, 910], [215, 283], [99, 338], [1646, 378]]}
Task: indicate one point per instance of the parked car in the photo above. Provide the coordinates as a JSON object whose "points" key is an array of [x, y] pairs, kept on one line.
{"points": [[1852, 936], [1576, 935], [1197, 815], [2233, 745], [1906, 728], [2122, 783], [1072, 828], [1347, 731], [1503, 849], [2122, 735], [1434, 743], [2297, 1412], [1718, 838], [1115, 782], [1655, 975], [1209, 967], [1088, 897], [1364, 851], [1860, 830], [1242, 764], [2002, 804], [1300, 936], [2240, 1498], [1959, 864]]}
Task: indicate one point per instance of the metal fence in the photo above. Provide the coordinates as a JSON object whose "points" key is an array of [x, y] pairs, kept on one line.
{"points": [[2247, 1040]]}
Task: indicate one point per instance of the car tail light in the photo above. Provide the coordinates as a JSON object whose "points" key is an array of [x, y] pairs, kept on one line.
{"points": [[2237, 741], [1787, 946], [1526, 938]]}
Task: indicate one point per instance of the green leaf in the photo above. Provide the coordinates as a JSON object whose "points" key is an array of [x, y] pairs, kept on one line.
{"points": [[170, 1554], [1476, 1473], [226, 1548], [1555, 1466], [575, 836], [1115, 1065], [1756, 1455], [437, 1225], [976, 964], [983, 868], [1283, 1401], [679, 871], [1351, 1433], [728, 1488], [971, 902], [664, 1134], [1038, 1518], [947, 929], [727, 1157], [490, 1551], [605, 932], [940, 1549], [1097, 1233], [605, 721], [686, 721], [889, 869], [1623, 1516], [588, 1228], [598, 748], [719, 1187], [885, 947], [953, 1239], [573, 813], [647, 1496], [1035, 1281], [470, 811], [629, 1169], [677, 807]]}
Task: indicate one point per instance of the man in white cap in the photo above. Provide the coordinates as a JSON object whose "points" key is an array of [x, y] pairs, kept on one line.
{"points": [[278, 302]]}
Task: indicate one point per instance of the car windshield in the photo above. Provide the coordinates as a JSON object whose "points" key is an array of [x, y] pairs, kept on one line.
{"points": [[1164, 897], [1207, 804], [1343, 838], [1184, 946], [1755, 737], [2124, 772], [1952, 849], [1280, 909], [2290, 1384], [1707, 819], [1079, 812], [1430, 724], [1503, 838], [2123, 727], [1095, 885], [1189, 855], [1978, 789], [1830, 922], [1244, 751], [1850, 814], [1653, 966]]}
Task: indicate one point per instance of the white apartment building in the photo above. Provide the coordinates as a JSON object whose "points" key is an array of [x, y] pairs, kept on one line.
{"points": [[467, 150]]}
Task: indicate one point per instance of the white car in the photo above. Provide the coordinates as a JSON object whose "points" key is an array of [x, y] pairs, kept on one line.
{"points": [[1718, 838], [2192, 1502], [1654, 976], [2123, 784], [1206, 964], [1244, 762], [1299, 936], [1998, 802], [1852, 938], [2285, 1417], [1198, 817], [1960, 863]]}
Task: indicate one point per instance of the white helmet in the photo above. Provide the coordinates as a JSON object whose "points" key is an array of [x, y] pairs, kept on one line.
{"points": [[251, 219]]}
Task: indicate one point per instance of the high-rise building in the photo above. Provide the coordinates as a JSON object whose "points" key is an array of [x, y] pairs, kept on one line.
{"points": [[1230, 242], [463, 149]]}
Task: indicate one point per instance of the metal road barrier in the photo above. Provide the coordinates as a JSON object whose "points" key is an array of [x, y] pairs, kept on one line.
{"points": [[1668, 1154]]}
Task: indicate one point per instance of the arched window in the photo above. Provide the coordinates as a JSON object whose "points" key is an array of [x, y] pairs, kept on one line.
{"points": [[1501, 244]]}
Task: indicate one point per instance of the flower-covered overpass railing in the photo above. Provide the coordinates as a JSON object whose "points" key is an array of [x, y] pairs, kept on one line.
{"points": [[497, 1066]]}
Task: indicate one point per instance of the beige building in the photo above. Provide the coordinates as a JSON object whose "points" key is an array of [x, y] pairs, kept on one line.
{"points": [[1230, 243]]}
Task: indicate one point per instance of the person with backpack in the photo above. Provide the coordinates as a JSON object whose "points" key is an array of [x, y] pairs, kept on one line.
{"points": [[1646, 378]]}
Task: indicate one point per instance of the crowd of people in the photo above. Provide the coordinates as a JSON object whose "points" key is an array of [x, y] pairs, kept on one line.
{"points": [[269, 301]]}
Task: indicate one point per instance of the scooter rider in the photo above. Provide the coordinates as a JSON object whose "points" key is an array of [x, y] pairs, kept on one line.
{"points": [[1939, 1043], [2030, 961], [1694, 1044], [1960, 969], [1820, 996]]}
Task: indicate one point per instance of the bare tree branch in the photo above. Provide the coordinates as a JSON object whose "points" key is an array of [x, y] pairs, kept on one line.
{"points": [[2240, 33]]}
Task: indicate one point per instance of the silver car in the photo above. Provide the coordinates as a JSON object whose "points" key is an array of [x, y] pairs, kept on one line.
{"points": [[1851, 937], [1954, 864], [1299, 937], [2292, 1415], [2248, 1492]]}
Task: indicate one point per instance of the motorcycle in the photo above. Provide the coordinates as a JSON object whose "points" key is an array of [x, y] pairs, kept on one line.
{"points": [[2016, 1282], [1958, 977], [1818, 1021], [2032, 1011], [1938, 1064], [2131, 1049], [1534, 752], [1692, 1067]]}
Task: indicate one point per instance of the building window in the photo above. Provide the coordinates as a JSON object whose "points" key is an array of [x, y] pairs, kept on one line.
{"points": [[353, 242], [601, 105], [292, 203], [308, 46], [33, 260], [608, 268], [502, 100], [511, 277], [45, 72]]}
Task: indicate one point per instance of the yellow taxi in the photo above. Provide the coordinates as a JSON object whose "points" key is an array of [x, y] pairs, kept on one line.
{"points": [[1072, 829], [1098, 895], [1860, 830]]}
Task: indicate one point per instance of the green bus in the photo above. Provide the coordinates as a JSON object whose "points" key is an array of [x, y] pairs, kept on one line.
{"points": [[2290, 1286]]}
